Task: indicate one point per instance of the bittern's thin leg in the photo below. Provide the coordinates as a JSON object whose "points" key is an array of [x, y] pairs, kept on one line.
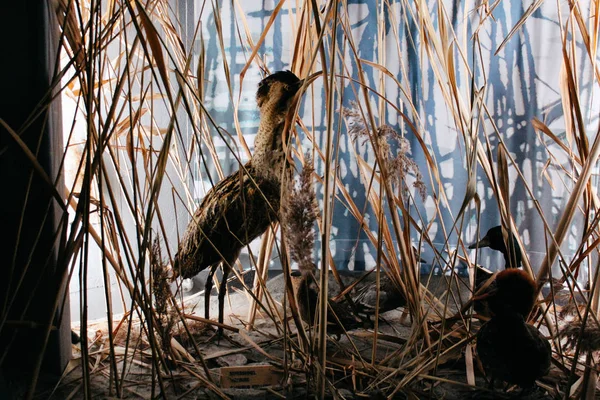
{"points": [[222, 291], [208, 289], [226, 265]]}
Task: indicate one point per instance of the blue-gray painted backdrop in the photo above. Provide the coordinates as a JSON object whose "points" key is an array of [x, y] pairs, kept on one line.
{"points": [[522, 84]]}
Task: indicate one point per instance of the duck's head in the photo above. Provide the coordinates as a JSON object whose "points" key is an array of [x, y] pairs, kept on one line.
{"points": [[513, 291], [307, 280], [495, 241]]}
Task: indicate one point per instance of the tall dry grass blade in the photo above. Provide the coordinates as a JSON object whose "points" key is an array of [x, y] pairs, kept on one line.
{"points": [[265, 31], [530, 10], [154, 43], [327, 195], [569, 209], [261, 274]]}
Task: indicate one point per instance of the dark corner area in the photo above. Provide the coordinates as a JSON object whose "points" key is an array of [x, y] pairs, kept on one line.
{"points": [[34, 317]]}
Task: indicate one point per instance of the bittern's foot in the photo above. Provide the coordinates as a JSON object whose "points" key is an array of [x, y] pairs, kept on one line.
{"points": [[219, 334]]}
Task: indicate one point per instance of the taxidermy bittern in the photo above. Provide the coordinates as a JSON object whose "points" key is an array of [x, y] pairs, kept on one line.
{"points": [[242, 206]]}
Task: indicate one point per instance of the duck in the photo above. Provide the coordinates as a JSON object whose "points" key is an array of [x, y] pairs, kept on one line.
{"points": [[391, 295], [508, 347], [558, 294], [307, 296], [495, 241]]}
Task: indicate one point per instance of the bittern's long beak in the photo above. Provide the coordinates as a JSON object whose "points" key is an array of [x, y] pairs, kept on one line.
{"points": [[483, 242], [301, 88], [304, 83]]}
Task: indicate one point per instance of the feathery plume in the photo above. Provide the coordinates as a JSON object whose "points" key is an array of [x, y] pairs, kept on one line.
{"points": [[398, 166], [162, 294], [300, 215]]}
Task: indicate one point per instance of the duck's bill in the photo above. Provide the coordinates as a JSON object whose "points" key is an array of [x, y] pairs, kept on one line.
{"points": [[483, 242]]}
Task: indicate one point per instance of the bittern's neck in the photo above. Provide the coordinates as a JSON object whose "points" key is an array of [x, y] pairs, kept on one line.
{"points": [[268, 158]]}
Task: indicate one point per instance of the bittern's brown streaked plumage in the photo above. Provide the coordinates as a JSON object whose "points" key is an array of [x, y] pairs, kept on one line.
{"points": [[242, 206]]}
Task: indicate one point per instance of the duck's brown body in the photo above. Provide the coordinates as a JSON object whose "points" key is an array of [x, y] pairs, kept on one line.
{"points": [[390, 295], [307, 297], [495, 241], [513, 351], [508, 347]]}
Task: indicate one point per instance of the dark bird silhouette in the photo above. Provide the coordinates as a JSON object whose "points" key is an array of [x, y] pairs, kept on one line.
{"points": [[510, 349], [242, 206], [340, 317], [495, 241]]}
